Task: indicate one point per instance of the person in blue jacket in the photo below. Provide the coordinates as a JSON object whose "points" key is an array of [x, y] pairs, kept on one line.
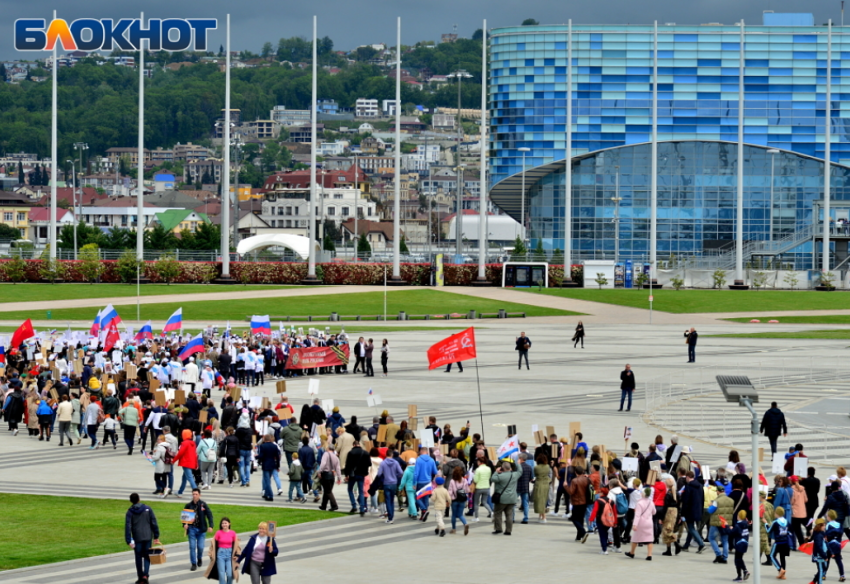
{"points": [[834, 534], [778, 532], [820, 552], [45, 419], [259, 554], [424, 473], [739, 536], [408, 485]]}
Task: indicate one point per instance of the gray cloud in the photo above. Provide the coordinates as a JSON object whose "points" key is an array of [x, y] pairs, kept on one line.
{"points": [[352, 23]]}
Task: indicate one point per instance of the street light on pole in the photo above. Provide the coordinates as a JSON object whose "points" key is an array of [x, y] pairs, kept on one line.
{"points": [[459, 212], [460, 75], [522, 195], [78, 146], [773, 152], [74, 203]]}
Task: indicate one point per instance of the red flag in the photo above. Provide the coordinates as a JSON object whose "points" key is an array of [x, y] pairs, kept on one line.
{"points": [[458, 347], [23, 333], [112, 337]]}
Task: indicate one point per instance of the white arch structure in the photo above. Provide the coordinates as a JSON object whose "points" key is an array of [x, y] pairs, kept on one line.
{"points": [[297, 243]]}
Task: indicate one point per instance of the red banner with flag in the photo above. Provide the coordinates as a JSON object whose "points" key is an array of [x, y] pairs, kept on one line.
{"points": [[313, 357], [24, 332], [458, 347]]}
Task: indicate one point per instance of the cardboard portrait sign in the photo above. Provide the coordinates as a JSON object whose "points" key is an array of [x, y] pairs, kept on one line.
{"points": [[575, 428], [236, 394], [203, 416], [444, 449], [411, 411], [540, 437], [413, 424], [382, 433], [180, 397], [491, 452], [266, 404], [550, 430], [159, 397], [651, 477], [132, 371], [281, 386]]}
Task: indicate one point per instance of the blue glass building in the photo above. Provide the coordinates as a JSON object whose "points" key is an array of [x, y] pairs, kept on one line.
{"points": [[697, 131]]}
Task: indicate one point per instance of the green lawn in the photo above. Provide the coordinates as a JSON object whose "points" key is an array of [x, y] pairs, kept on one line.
{"points": [[29, 292], [68, 528], [689, 301], [360, 303], [827, 334], [819, 319]]}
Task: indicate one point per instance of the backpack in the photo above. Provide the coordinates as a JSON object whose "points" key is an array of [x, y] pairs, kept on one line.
{"points": [[209, 451], [101, 417], [609, 514], [591, 493], [622, 504], [94, 383], [169, 457], [684, 463]]}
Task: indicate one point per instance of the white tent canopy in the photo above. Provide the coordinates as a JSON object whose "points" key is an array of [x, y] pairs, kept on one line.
{"points": [[297, 243]]}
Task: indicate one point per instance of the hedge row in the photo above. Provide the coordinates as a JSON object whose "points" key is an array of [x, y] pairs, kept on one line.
{"points": [[360, 274]]}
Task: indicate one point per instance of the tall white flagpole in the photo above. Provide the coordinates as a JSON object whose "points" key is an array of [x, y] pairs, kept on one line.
{"points": [[311, 262], [397, 180], [827, 149], [140, 181], [54, 155], [482, 180], [225, 179]]}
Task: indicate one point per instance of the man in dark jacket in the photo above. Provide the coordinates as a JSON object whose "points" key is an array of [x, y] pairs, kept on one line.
{"points": [[140, 527], [308, 460], [246, 447], [357, 466], [773, 424], [268, 457], [627, 386], [523, 344], [354, 428], [228, 414], [522, 485], [197, 530], [224, 364], [692, 508], [691, 337]]}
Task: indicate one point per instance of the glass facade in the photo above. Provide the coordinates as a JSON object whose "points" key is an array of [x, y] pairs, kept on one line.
{"points": [[698, 99], [697, 186]]}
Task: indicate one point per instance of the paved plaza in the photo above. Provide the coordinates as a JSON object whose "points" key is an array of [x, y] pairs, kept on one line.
{"points": [[564, 385]]}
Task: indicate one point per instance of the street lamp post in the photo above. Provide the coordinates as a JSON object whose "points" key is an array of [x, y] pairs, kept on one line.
{"points": [[459, 212], [77, 146], [522, 195], [460, 75], [356, 201], [773, 152]]}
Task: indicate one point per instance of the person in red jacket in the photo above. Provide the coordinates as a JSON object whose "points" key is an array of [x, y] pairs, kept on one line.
{"points": [[659, 491], [187, 459]]}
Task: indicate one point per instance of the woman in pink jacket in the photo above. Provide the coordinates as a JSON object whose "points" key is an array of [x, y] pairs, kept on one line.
{"points": [[642, 526]]}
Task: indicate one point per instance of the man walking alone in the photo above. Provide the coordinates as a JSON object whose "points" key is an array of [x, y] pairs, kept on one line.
{"points": [[140, 527], [691, 340], [627, 387], [523, 344], [773, 424]]}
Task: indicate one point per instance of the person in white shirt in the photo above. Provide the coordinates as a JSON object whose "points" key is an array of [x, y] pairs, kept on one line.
{"points": [[190, 376], [259, 368]]}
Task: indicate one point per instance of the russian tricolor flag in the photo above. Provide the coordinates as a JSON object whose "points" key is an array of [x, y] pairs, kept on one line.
{"points": [[175, 321], [261, 325], [425, 491], [95, 326], [109, 318], [3, 353], [146, 332], [196, 345]]}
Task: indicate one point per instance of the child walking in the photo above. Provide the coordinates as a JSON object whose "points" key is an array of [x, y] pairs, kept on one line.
{"points": [[778, 532], [834, 534], [739, 535], [296, 471], [820, 552], [440, 501], [110, 427]]}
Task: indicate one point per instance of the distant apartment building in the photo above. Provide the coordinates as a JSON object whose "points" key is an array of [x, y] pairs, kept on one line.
{"points": [[189, 151], [114, 155], [261, 129], [194, 170], [366, 108], [388, 107], [286, 117], [327, 106]]}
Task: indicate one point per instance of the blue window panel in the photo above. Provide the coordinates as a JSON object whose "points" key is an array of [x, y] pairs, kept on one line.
{"points": [[704, 96], [596, 36], [730, 46], [613, 54], [756, 63], [596, 46], [539, 70], [781, 72], [665, 54], [560, 46], [755, 79], [512, 71], [520, 46], [529, 78], [685, 38], [804, 55], [638, 70], [805, 38], [684, 79], [549, 62], [708, 62], [529, 62], [595, 70]]}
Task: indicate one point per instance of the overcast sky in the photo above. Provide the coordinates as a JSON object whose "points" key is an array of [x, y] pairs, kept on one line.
{"points": [[354, 22]]}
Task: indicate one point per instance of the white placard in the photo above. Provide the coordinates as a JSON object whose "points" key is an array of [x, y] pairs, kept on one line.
{"points": [[656, 466], [674, 458], [313, 387], [534, 428], [627, 433], [255, 402], [261, 426], [373, 400], [328, 405], [778, 464], [801, 466], [630, 464], [706, 472], [427, 438]]}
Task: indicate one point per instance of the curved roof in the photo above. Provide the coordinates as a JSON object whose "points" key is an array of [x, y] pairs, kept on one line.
{"points": [[297, 243], [506, 193]]}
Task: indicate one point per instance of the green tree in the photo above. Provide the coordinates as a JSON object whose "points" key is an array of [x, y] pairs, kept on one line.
{"points": [[118, 238], [267, 50], [539, 254], [159, 238], [363, 246], [402, 246], [520, 250], [328, 243], [90, 265], [529, 22], [186, 240], [128, 266], [15, 269], [167, 268], [9, 232], [208, 236], [51, 270]]}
